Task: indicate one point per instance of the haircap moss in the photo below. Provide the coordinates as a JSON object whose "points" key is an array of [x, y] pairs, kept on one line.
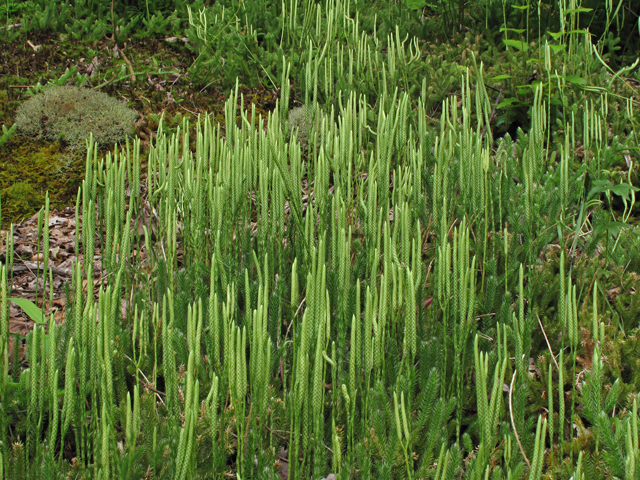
{"points": [[70, 114], [302, 120]]}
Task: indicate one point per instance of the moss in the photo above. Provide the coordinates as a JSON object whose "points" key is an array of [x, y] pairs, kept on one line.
{"points": [[3, 103], [70, 114], [22, 199], [28, 170]]}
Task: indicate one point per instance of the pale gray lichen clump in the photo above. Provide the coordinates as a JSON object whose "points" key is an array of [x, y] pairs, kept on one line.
{"points": [[70, 114], [300, 121]]}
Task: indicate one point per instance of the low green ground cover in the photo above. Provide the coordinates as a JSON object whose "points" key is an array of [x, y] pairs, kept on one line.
{"points": [[439, 282]]}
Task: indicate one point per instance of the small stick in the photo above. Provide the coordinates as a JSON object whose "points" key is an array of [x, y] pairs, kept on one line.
{"points": [[548, 344], [34, 47], [299, 306], [190, 111], [513, 423], [133, 75], [146, 382], [295, 314], [273, 432]]}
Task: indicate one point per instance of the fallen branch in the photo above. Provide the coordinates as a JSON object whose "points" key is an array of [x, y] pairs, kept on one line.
{"points": [[65, 272]]}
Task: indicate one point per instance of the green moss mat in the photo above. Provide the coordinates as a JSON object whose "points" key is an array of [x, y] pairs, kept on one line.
{"points": [[28, 170]]}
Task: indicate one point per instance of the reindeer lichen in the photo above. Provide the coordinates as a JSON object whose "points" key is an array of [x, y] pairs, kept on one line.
{"points": [[70, 114], [301, 121]]}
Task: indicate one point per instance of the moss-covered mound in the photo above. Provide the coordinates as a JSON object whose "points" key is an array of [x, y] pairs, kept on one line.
{"points": [[70, 114]]}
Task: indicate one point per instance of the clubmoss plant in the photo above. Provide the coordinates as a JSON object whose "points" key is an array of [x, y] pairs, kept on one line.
{"points": [[70, 114], [307, 281]]}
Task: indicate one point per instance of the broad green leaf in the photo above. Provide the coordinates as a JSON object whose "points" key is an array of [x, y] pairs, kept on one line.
{"points": [[576, 80], [557, 48], [624, 190], [506, 102], [555, 35], [30, 309], [501, 77], [611, 227], [517, 44], [600, 186]]}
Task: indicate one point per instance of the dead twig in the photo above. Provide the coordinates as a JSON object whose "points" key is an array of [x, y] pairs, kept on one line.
{"points": [[146, 382], [273, 432], [133, 75], [548, 344], [513, 423]]}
